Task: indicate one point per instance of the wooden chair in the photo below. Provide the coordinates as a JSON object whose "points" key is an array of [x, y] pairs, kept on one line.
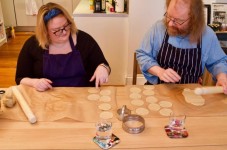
{"points": [[136, 70], [207, 79]]}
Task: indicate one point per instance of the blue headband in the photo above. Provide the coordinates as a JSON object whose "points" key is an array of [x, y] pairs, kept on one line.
{"points": [[51, 14]]}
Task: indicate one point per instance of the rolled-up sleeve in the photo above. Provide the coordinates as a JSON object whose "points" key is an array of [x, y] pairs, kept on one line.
{"points": [[147, 53]]}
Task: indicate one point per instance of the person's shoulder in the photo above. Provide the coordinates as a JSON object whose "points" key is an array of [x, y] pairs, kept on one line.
{"points": [[208, 31], [83, 36], [159, 24], [32, 45], [158, 29], [209, 34], [81, 33], [32, 39]]}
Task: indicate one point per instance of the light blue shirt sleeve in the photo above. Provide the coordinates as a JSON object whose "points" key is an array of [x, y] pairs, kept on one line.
{"points": [[147, 53], [213, 57]]}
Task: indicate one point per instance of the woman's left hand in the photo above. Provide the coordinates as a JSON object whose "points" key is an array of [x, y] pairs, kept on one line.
{"points": [[101, 75], [222, 81]]}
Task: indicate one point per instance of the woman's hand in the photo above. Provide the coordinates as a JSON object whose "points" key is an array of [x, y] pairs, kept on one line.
{"points": [[222, 81], [101, 75], [42, 84]]}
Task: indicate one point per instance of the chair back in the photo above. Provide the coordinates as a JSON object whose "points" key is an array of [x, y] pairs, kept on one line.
{"points": [[136, 69]]}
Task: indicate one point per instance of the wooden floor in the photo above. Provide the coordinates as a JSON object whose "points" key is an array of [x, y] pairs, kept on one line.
{"points": [[8, 58]]}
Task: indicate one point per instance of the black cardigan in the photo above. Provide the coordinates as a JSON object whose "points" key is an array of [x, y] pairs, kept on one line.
{"points": [[30, 60]]}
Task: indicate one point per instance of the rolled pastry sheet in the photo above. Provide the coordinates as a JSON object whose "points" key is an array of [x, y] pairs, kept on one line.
{"points": [[25, 107], [208, 90]]}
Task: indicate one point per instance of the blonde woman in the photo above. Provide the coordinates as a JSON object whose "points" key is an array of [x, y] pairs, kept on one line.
{"points": [[59, 54]]}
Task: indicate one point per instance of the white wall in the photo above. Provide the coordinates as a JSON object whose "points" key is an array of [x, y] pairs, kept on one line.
{"points": [[21, 18], [75, 3], [214, 1], [8, 12], [2, 28], [111, 33], [208, 1], [142, 14]]}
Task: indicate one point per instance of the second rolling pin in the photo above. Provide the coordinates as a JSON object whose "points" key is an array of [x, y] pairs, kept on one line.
{"points": [[208, 90], [25, 107]]}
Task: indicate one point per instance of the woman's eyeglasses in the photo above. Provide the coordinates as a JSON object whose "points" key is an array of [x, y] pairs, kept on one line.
{"points": [[175, 20], [64, 28]]}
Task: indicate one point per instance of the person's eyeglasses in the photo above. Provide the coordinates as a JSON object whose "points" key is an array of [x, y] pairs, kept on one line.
{"points": [[64, 28], [175, 20]]}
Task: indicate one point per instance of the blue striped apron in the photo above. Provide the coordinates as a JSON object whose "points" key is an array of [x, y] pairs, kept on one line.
{"points": [[186, 62]]}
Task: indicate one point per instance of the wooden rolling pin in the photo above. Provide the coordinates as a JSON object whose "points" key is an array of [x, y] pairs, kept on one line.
{"points": [[25, 107], [208, 90]]}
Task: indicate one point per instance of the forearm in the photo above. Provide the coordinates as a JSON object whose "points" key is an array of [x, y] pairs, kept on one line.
{"points": [[41, 85], [28, 81], [155, 70]]}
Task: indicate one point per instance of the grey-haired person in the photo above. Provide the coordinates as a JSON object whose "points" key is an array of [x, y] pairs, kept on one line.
{"points": [[178, 48]]}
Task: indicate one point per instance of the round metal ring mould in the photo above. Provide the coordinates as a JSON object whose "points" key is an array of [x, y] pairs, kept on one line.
{"points": [[133, 124]]}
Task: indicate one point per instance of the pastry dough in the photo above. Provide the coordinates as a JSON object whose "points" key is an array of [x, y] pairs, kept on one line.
{"points": [[148, 92], [154, 107], [135, 90], [137, 102], [142, 111], [104, 106], [192, 98], [165, 104], [151, 99], [135, 96], [105, 98], [93, 97], [105, 92], [106, 115], [165, 111]]}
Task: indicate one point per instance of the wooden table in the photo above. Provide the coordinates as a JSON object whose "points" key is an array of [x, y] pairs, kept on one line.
{"points": [[205, 132]]}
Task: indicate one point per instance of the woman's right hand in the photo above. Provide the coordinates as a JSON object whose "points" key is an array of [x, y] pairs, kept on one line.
{"points": [[42, 84]]}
